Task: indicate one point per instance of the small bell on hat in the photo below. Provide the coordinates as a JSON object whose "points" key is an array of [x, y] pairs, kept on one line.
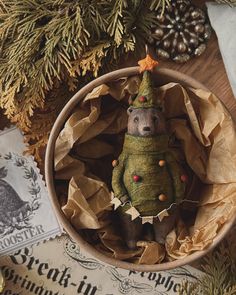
{"points": [[146, 97]]}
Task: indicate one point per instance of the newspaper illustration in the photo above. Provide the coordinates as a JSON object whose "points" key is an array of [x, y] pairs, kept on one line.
{"points": [[26, 215], [59, 267]]}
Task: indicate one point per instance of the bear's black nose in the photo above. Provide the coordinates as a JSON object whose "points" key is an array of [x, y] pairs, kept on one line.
{"points": [[146, 128]]}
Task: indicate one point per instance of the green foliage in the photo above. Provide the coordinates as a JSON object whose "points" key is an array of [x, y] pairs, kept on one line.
{"points": [[219, 278], [44, 43], [156, 4]]}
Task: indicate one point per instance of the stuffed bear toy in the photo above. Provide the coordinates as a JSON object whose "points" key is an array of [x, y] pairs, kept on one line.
{"points": [[147, 176]]}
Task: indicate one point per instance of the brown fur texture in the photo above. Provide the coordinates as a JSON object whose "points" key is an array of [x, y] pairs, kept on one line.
{"points": [[146, 122]]}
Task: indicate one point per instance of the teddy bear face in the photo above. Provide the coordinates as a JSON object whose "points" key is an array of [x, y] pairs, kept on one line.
{"points": [[145, 122]]}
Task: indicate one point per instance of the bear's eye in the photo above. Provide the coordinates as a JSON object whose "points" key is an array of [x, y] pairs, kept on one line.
{"points": [[155, 119], [136, 119]]}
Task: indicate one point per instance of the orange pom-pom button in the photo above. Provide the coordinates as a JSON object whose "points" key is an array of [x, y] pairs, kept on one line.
{"points": [[115, 163], [162, 163], [184, 178], [162, 197], [136, 178], [142, 99]]}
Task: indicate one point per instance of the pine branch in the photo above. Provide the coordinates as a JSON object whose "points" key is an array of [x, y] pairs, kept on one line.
{"points": [[219, 267], [116, 28], [138, 20], [160, 4], [44, 43], [91, 61]]}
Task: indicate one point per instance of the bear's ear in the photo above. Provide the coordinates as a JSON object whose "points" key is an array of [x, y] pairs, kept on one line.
{"points": [[130, 110]]}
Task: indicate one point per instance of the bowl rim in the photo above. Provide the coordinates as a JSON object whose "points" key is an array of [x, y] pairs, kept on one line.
{"points": [[49, 172]]}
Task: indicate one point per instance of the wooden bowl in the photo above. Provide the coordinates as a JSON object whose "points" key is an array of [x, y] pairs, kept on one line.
{"points": [[161, 77]]}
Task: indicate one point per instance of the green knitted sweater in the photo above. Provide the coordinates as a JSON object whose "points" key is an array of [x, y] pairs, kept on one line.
{"points": [[139, 175]]}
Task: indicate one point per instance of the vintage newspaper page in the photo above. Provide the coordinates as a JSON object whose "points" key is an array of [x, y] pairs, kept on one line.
{"points": [[59, 267], [26, 214]]}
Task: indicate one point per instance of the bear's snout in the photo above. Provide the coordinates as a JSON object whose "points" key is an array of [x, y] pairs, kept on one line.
{"points": [[145, 122], [146, 128]]}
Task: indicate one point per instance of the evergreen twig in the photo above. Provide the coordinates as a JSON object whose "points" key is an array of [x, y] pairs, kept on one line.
{"points": [[219, 278], [44, 43]]}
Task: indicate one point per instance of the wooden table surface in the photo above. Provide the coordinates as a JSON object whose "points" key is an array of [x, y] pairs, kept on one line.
{"points": [[210, 70]]}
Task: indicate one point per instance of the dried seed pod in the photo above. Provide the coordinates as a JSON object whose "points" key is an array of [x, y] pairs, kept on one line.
{"points": [[181, 32], [181, 47], [200, 49], [166, 44], [199, 28], [194, 42], [158, 33], [163, 54], [181, 58], [195, 14]]}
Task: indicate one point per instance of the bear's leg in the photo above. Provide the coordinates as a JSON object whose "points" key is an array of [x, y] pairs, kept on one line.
{"points": [[131, 230], [162, 228]]}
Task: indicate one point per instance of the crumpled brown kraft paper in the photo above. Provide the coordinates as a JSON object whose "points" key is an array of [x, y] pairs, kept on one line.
{"points": [[93, 136]]}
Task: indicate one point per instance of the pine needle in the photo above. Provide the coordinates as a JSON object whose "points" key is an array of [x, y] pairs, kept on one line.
{"points": [[220, 268], [44, 43]]}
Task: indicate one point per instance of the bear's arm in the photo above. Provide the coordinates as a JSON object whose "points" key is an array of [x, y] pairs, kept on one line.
{"points": [[176, 171], [118, 187]]}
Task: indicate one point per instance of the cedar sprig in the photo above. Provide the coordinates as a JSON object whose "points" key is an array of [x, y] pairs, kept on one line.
{"points": [[219, 267], [44, 43]]}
